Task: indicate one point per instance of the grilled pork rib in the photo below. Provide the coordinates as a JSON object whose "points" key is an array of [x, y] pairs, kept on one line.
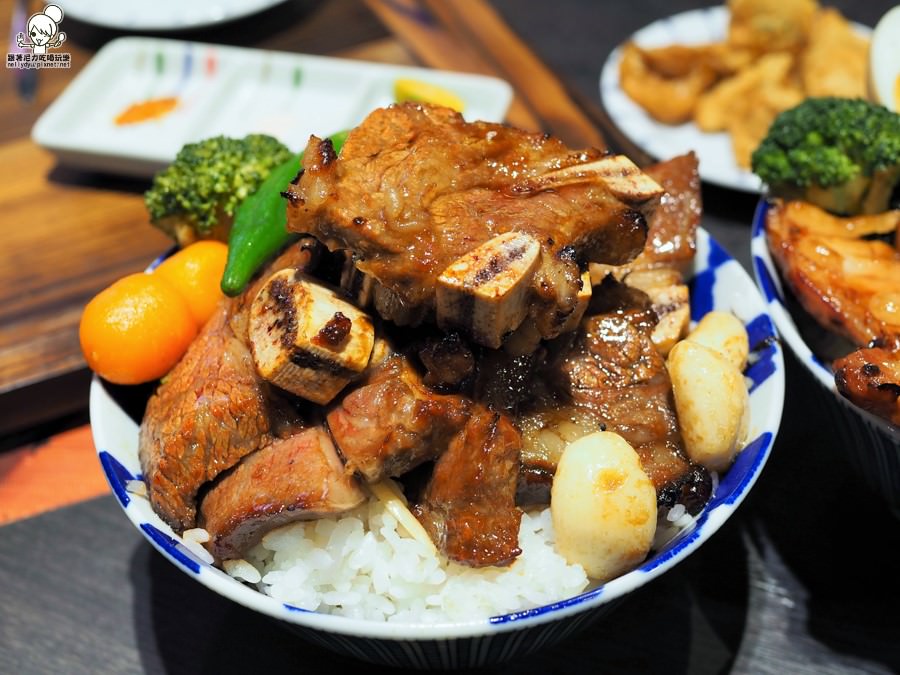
{"points": [[416, 188]]}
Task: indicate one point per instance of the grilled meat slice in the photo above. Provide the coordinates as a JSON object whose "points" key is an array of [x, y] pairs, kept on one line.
{"points": [[870, 378], [392, 422], [416, 188], [610, 377], [615, 371], [296, 478], [672, 228], [211, 410], [848, 285], [469, 505]]}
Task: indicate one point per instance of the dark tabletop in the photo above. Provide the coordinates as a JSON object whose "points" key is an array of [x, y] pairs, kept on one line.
{"points": [[803, 579]]}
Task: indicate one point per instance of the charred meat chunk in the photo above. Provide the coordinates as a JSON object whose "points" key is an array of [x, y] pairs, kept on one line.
{"points": [[469, 505], [211, 410], [296, 478], [392, 422]]}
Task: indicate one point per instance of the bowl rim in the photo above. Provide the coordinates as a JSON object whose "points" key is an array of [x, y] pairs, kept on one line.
{"points": [[721, 508], [769, 284]]}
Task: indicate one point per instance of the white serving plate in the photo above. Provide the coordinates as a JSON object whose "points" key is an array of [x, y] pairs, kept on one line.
{"points": [[717, 282], [226, 90], [717, 163], [161, 14]]}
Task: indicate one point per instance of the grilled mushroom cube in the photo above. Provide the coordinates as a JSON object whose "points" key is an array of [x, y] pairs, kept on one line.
{"points": [[305, 339]]}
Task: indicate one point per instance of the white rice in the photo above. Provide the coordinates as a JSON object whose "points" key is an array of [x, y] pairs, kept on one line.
{"points": [[362, 565]]}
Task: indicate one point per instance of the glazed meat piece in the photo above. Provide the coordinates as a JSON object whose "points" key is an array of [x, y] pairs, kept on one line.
{"points": [[210, 411], [849, 285], [416, 188], [609, 377], [870, 378], [392, 422], [615, 371], [672, 227], [469, 505], [296, 478]]}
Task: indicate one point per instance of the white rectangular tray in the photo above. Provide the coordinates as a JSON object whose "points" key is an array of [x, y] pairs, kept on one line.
{"points": [[226, 90]]}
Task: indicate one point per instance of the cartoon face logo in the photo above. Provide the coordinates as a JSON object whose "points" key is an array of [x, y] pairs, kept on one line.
{"points": [[43, 31]]}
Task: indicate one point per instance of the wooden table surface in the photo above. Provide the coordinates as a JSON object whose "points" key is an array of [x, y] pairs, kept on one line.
{"points": [[800, 581]]}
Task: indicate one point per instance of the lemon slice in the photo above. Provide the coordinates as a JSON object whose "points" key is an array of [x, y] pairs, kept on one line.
{"points": [[884, 61], [425, 92]]}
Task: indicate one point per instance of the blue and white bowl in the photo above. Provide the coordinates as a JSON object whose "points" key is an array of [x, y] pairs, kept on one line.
{"points": [[718, 282], [872, 444]]}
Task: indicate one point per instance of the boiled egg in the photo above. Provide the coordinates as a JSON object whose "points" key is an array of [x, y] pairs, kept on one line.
{"points": [[884, 61]]}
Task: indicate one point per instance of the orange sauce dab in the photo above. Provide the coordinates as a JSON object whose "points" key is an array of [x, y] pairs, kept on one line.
{"points": [[150, 109]]}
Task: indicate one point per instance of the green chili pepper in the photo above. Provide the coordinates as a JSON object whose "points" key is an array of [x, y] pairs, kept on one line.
{"points": [[260, 225]]}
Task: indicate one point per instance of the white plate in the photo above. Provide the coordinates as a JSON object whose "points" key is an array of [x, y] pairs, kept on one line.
{"points": [[161, 14], [717, 163], [226, 90]]}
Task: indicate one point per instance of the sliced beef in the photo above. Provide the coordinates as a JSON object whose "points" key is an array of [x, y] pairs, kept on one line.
{"points": [[609, 377], [469, 505], [416, 188], [614, 370], [209, 412], [296, 478], [392, 422]]}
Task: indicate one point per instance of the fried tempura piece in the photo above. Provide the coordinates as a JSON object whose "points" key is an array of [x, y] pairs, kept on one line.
{"points": [[770, 25], [669, 99], [750, 127], [835, 61], [734, 95]]}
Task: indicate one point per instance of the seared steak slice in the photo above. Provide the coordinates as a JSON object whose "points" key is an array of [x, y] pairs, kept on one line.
{"points": [[416, 189], [870, 378], [672, 227], [393, 423], [210, 411], [296, 478], [469, 505], [611, 377], [615, 371]]}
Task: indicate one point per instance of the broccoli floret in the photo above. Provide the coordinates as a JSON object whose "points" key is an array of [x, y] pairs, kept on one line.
{"points": [[195, 197], [842, 154]]}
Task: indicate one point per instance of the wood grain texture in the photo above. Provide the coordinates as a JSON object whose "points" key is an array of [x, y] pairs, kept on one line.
{"points": [[437, 47], [70, 233], [44, 476]]}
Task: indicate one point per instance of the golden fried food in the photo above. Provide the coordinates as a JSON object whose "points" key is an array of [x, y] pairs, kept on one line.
{"points": [[733, 96], [670, 100], [835, 61], [750, 128], [771, 25]]}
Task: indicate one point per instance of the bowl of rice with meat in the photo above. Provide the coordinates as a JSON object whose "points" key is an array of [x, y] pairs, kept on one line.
{"points": [[469, 410]]}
